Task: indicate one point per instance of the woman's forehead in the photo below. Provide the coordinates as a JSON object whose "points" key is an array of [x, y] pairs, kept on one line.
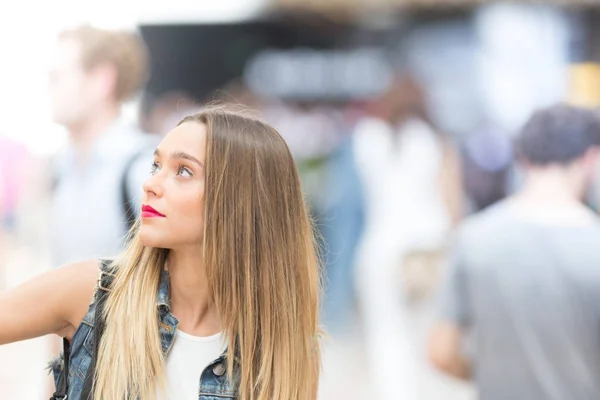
{"points": [[189, 137]]}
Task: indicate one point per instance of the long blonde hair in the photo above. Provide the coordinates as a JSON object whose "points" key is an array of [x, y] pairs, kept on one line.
{"points": [[262, 267]]}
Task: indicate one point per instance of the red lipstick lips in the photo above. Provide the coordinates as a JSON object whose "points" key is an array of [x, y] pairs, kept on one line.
{"points": [[149, 212]]}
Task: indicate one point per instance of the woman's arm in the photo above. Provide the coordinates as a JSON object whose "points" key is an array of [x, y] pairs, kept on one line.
{"points": [[55, 302]]}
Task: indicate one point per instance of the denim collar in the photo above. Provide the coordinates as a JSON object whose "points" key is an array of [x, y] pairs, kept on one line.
{"points": [[164, 289]]}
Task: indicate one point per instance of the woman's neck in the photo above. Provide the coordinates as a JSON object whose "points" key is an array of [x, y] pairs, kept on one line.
{"points": [[191, 301]]}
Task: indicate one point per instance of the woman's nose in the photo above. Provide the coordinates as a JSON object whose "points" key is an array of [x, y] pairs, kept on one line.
{"points": [[152, 185]]}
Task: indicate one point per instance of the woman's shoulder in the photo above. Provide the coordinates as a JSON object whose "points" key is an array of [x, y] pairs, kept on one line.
{"points": [[80, 281], [80, 276]]}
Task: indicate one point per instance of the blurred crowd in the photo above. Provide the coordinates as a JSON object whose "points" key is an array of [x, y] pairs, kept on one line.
{"points": [[453, 215]]}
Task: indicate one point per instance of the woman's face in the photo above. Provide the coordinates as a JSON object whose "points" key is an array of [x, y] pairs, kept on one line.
{"points": [[173, 205]]}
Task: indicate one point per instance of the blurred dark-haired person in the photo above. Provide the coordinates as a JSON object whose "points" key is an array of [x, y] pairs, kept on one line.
{"points": [[98, 175], [524, 281]]}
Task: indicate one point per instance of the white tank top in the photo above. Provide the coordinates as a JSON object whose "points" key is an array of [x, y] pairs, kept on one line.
{"points": [[188, 357]]}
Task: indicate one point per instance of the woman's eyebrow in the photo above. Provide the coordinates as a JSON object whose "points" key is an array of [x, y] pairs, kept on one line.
{"points": [[181, 155]]}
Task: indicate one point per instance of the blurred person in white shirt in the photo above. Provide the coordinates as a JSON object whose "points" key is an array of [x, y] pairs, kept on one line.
{"points": [[410, 177], [98, 177]]}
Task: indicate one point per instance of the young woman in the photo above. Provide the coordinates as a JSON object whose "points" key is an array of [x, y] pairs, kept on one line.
{"points": [[217, 293]]}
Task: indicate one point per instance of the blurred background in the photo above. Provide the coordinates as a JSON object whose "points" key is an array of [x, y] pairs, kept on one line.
{"points": [[458, 78]]}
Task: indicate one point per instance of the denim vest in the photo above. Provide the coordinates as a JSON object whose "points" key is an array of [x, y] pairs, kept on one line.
{"points": [[213, 382]]}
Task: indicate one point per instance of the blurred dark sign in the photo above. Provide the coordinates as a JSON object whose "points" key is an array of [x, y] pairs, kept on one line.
{"points": [[199, 59]]}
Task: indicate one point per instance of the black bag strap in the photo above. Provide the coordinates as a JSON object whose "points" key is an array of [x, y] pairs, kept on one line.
{"points": [[63, 384], [104, 283]]}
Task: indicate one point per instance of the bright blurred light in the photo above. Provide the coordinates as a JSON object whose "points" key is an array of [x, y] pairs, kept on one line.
{"points": [[194, 11], [523, 60], [115, 14], [27, 35], [26, 39]]}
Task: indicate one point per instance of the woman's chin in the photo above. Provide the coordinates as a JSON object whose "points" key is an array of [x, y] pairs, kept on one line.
{"points": [[150, 239]]}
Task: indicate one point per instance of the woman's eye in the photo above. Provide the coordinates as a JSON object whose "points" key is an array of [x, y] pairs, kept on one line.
{"points": [[154, 167], [184, 171]]}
